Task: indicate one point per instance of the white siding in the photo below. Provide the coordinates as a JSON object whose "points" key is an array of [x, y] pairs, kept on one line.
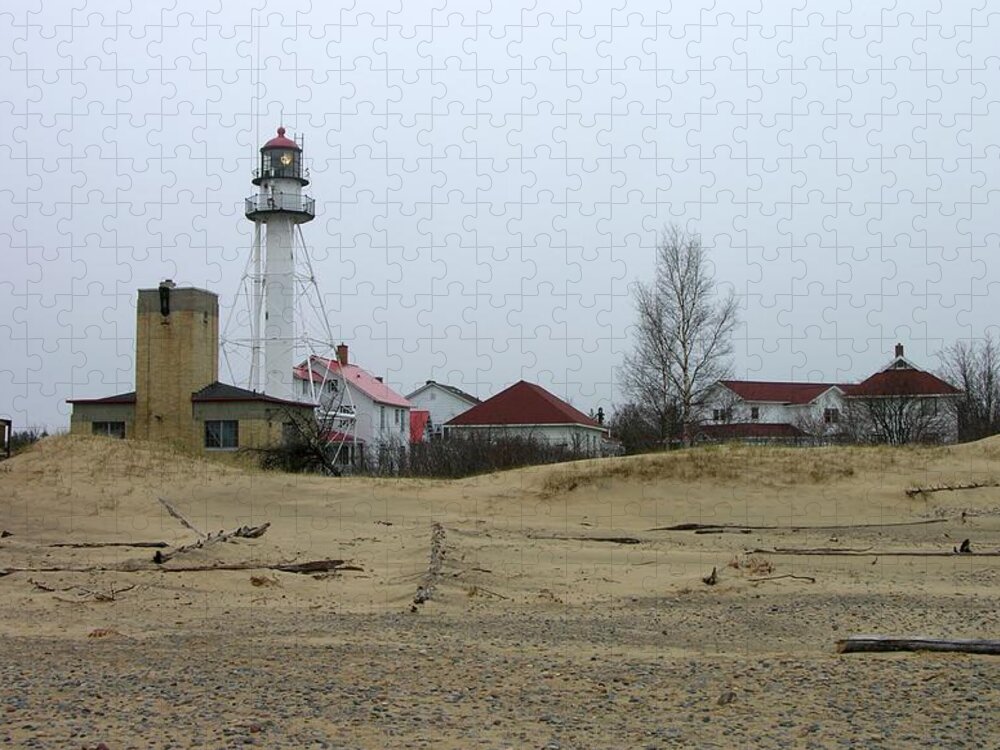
{"points": [[442, 404]]}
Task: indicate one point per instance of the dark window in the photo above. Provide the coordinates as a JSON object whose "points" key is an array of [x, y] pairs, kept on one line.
{"points": [[722, 415], [755, 413], [108, 429], [831, 416], [222, 433]]}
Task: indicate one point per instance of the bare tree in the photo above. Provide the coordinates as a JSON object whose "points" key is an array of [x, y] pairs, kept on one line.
{"points": [[637, 429], [305, 446], [974, 367], [683, 332], [897, 419]]}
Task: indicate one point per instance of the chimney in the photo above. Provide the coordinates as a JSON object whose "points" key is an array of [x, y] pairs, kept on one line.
{"points": [[165, 286], [899, 350], [342, 355]]}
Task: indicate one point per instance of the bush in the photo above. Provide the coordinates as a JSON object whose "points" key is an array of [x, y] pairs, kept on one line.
{"points": [[481, 454], [24, 439]]}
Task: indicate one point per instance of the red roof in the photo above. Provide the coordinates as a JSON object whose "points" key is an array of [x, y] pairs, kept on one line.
{"points": [[523, 404], [281, 142], [418, 424], [902, 382], [361, 379], [738, 430], [779, 392]]}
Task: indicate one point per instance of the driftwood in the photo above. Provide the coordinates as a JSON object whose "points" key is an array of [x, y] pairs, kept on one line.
{"points": [[914, 491], [98, 596], [743, 528], [723, 531], [177, 514], [243, 532], [847, 552], [610, 539], [878, 643], [89, 545], [427, 589], [479, 589], [786, 575], [312, 566]]}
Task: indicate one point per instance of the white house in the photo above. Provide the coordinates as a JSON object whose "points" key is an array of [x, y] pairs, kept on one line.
{"points": [[365, 415], [898, 403], [528, 410], [442, 403]]}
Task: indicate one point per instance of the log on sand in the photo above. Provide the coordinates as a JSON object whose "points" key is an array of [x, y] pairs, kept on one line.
{"points": [[311, 566], [848, 552], [177, 514], [243, 532], [95, 545], [710, 527], [877, 643]]}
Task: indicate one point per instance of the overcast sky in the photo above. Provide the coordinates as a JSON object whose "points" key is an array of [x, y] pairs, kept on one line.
{"points": [[489, 182]]}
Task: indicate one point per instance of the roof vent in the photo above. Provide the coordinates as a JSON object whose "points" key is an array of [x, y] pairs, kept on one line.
{"points": [[899, 350]]}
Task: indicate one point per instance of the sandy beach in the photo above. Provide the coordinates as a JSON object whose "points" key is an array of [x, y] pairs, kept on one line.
{"points": [[553, 610]]}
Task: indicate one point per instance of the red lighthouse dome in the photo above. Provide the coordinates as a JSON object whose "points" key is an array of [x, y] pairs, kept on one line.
{"points": [[281, 142]]}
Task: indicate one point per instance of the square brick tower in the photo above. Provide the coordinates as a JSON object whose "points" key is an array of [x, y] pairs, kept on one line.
{"points": [[176, 354]]}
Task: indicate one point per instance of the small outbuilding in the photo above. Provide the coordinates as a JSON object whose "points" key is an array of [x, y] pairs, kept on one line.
{"points": [[528, 410], [178, 398]]}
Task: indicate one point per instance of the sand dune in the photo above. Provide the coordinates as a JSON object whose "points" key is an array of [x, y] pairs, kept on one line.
{"points": [[526, 581]]}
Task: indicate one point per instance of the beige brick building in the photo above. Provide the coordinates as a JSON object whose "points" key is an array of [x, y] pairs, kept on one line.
{"points": [[178, 398]]}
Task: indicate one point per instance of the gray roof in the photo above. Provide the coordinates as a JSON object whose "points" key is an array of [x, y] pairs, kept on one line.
{"points": [[118, 398], [450, 388], [224, 392]]}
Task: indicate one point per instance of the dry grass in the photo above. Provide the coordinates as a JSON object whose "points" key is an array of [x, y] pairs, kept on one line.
{"points": [[64, 459], [764, 466]]}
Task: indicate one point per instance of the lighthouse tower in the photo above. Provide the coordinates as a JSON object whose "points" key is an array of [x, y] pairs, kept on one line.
{"points": [[277, 209]]}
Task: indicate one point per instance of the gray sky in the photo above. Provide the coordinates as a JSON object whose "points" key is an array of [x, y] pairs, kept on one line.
{"points": [[489, 182]]}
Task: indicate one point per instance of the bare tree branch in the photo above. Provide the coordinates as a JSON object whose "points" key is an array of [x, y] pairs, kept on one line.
{"points": [[683, 332]]}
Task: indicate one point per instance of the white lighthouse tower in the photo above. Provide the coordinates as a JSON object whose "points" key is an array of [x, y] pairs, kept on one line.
{"points": [[277, 210]]}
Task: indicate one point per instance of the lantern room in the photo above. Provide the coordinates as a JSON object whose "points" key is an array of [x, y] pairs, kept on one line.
{"points": [[281, 158]]}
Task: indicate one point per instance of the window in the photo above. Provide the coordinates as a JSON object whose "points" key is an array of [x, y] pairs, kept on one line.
{"points": [[222, 434], [331, 386], [831, 416], [108, 429], [754, 413], [381, 417], [722, 415]]}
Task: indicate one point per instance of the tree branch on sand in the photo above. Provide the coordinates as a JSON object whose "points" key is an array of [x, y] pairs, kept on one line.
{"points": [[878, 643], [244, 532], [177, 514]]}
